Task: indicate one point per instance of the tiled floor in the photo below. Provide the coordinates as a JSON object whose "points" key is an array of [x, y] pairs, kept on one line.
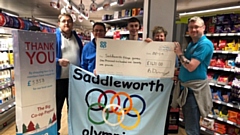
{"points": [[11, 130]]}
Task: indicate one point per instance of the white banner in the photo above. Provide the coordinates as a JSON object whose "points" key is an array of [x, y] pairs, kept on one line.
{"points": [[116, 105], [135, 58], [35, 81]]}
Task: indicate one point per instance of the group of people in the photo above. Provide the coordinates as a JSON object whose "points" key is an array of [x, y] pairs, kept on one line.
{"points": [[193, 69]]}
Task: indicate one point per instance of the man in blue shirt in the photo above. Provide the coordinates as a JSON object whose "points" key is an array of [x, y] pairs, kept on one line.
{"points": [[194, 67], [89, 50]]}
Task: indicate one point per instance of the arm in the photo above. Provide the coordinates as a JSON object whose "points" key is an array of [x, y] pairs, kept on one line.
{"points": [[190, 65], [84, 63]]}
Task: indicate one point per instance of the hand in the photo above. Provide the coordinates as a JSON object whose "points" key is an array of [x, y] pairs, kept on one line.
{"points": [[178, 49], [95, 72], [63, 62], [148, 40]]}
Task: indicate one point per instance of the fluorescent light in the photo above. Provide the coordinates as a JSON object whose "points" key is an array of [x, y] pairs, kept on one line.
{"points": [[10, 14], [75, 9], [208, 11], [114, 3], [49, 25], [100, 8], [111, 4]]}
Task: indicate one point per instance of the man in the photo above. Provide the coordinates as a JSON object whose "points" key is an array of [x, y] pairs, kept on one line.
{"points": [[195, 98], [159, 34], [68, 50], [89, 50], [133, 27]]}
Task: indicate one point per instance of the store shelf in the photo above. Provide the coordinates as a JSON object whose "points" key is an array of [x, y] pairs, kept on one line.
{"points": [[223, 120], [6, 67], [6, 85], [7, 105], [204, 130], [226, 104], [110, 34], [222, 69], [124, 19], [226, 52], [6, 50], [7, 118], [219, 34], [220, 86]]}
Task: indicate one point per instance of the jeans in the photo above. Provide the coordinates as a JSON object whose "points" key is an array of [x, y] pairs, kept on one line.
{"points": [[191, 115], [61, 95]]}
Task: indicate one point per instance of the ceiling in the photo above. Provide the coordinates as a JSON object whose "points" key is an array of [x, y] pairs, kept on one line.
{"points": [[41, 9]]}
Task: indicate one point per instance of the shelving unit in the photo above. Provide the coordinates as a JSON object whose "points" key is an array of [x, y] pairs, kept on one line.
{"points": [[7, 90], [221, 67]]}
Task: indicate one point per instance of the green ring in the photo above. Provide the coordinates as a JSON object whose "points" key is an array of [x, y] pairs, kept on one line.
{"points": [[97, 104]]}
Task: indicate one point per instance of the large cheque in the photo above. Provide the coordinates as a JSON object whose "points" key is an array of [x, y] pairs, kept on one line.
{"points": [[135, 58]]}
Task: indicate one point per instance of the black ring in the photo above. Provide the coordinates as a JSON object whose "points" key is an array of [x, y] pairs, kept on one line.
{"points": [[92, 90]]}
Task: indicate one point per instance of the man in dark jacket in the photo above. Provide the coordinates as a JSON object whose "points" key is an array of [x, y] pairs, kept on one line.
{"points": [[68, 50]]}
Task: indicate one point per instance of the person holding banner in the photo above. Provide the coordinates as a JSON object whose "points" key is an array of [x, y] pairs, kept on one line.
{"points": [[192, 91], [89, 50], [133, 27], [159, 34], [68, 50]]}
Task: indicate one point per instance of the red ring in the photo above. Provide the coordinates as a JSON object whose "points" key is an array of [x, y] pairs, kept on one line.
{"points": [[113, 92]]}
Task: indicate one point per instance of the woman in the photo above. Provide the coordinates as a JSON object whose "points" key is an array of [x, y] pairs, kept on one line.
{"points": [[159, 34]]}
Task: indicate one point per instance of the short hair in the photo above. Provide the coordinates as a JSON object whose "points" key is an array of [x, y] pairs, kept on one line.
{"points": [[101, 24], [133, 19], [64, 14], [196, 19], [159, 29]]}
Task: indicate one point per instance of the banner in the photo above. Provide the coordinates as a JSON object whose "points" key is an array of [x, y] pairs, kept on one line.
{"points": [[135, 58], [116, 105], [35, 81]]}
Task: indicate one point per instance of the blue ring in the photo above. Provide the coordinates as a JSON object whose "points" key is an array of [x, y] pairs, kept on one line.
{"points": [[144, 105]]}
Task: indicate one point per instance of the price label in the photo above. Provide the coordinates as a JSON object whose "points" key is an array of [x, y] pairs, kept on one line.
{"points": [[220, 119], [230, 122], [218, 85], [215, 68], [227, 87], [227, 69], [208, 35], [216, 34], [211, 84], [225, 52], [223, 34], [230, 105], [219, 102], [202, 128], [230, 34], [210, 115]]}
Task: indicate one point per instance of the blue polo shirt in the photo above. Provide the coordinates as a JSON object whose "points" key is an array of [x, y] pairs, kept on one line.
{"points": [[89, 56], [202, 51]]}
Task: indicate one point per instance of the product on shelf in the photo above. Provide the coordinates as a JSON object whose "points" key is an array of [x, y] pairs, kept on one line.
{"points": [[5, 95]]}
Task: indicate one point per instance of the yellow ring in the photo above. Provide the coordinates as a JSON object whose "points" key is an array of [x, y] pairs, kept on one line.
{"points": [[133, 126]]}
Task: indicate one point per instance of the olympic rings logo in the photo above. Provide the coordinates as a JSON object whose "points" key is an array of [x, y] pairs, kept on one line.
{"points": [[123, 111]]}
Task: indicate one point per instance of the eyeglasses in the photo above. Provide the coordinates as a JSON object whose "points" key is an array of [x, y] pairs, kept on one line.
{"points": [[100, 31], [68, 21], [194, 27]]}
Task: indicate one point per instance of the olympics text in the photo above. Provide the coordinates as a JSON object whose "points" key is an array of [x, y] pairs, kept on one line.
{"points": [[108, 81]]}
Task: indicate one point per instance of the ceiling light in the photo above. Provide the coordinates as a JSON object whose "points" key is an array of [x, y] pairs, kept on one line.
{"points": [[111, 4], [210, 10]]}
